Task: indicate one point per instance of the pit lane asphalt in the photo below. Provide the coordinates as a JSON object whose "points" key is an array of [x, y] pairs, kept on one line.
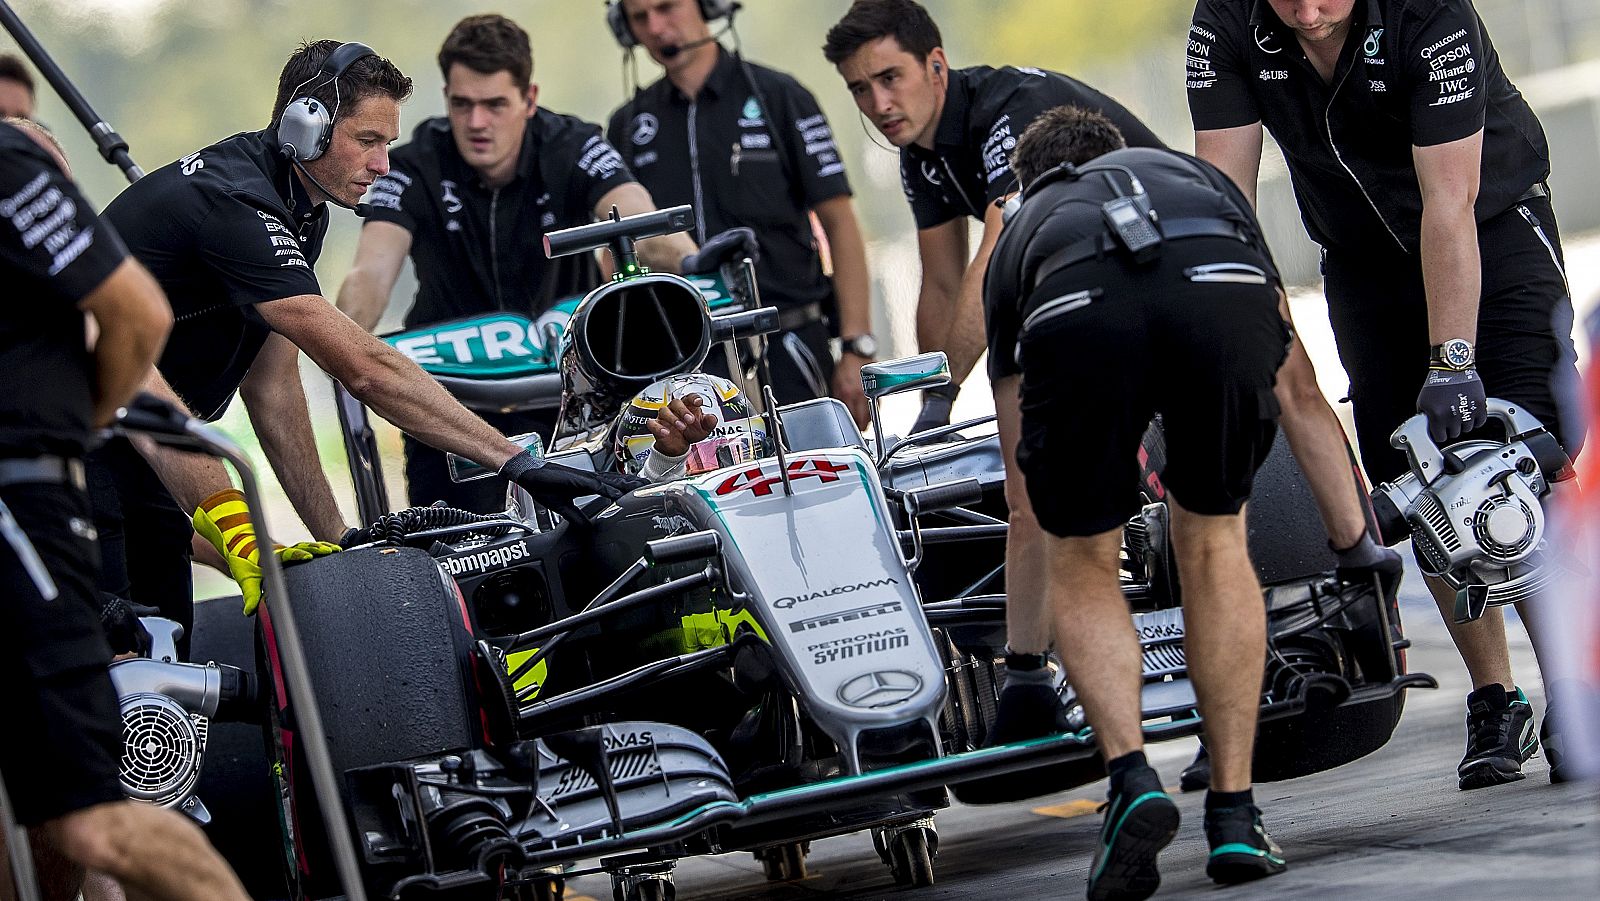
{"points": [[1391, 825]]}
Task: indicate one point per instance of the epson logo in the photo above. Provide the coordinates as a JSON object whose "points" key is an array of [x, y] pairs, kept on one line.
{"points": [[786, 603], [485, 560], [845, 616]]}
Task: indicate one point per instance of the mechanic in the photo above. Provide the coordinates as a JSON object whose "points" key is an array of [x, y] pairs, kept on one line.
{"points": [[1182, 322], [955, 129], [16, 88], [64, 733], [232, 231], [1421, 172], [748, 146], [470, 198]]}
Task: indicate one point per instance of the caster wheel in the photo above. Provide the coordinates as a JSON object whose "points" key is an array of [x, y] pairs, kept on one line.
{"points": [[784, 863], [911, 858], [655, 886]]}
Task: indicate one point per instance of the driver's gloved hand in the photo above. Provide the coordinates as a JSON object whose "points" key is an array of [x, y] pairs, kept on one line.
{"points": [[722, 247], [224, 520], [1454, 402], [557, 486]]}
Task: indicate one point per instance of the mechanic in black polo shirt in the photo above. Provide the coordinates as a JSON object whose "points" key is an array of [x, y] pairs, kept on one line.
{"points": [[62, 268], [1420, 170], [955, 129], [470, 199], [748, 146], [1083, 290], [231, 232]]}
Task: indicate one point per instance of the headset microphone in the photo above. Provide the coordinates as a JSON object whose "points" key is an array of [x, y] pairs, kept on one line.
{"points": [[672, 50], [360, 209]]}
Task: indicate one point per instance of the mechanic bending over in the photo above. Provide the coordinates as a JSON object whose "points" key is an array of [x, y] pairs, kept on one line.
{"points": [[1184, 325], [1420, 170], [954, 129], [231, 231], [783, 166], [62, 268], [470, 198]]}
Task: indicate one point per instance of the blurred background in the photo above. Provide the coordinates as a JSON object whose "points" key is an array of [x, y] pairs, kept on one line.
{"points": [[175, 75]]}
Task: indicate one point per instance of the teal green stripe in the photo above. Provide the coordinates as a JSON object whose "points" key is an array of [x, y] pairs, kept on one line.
{"points": [[1105, 855], [1242, 848]]}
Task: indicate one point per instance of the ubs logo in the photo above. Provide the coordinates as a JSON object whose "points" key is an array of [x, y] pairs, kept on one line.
{"points": [[887, 688], [645, 128]]}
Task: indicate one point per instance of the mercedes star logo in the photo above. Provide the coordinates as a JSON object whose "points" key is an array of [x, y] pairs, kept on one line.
{"points": [[881, 689]]}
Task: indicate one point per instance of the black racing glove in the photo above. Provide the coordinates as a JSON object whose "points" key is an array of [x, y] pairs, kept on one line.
{"points": [[936, 404], [722, 247], [1454, 402], [557, 486]]}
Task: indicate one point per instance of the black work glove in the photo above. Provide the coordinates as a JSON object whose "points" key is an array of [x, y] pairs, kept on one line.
{"points": [[120, 620], [936, 404], [556, 486], [1454, 403], [722, 247]]}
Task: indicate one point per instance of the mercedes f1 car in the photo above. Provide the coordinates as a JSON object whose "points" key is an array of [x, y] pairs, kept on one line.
{"points": [[745, 658]]}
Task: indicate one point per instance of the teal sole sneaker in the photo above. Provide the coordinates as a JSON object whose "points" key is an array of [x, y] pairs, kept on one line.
{"points": [[1140, 821], [1241, 849]]}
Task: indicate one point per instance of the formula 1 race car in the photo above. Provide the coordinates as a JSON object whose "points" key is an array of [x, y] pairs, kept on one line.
{"points": [[745, 658]]}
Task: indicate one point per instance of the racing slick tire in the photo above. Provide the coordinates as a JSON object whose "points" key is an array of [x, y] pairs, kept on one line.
{"points": [[387, 641], [236, 776], [1285, 533]]}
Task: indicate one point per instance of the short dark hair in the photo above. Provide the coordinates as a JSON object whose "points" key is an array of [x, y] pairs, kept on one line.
{"points": [[1063, 134], [868, 20], [11, 66], [488, 44], [366, 77]]}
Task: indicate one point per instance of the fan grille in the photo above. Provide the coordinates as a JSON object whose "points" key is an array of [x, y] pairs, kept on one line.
{"points": [[162, 745]]}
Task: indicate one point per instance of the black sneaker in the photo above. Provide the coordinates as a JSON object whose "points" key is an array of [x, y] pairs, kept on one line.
{"points": [[1500, 736], [1241, 849], [1140, 821], [1197, 775], [1550, 740]]}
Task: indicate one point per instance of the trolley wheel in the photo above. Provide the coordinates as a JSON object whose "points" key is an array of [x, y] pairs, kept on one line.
{"points": [[784, 863], [911, 858]]}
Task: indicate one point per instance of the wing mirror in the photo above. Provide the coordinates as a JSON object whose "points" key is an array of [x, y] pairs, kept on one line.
{"points": [[879, 380]]}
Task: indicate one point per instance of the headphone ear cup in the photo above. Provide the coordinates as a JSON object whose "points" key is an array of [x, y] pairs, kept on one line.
{"points": [[304, 129], [617, 19], [717, 9]]}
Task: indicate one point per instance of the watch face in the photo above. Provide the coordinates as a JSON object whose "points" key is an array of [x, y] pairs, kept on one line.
{"points": [[863, 346], [1458, 353]]}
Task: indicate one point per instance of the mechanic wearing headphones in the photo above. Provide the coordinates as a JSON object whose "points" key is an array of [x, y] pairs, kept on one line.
{"points": [[1182, 322], [470, 199], [231, 232], [955, 129], [63, 733], [1420, 170], [748, 146]]}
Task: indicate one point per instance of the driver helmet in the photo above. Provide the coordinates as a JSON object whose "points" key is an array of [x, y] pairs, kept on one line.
{"points": [[739, 435]]}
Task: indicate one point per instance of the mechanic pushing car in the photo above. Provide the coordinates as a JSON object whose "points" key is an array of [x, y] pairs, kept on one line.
{"points": [[470, 198], [748, 146], [955, 129], [1181, 321], [63, 731], [232, 232], [1420, 171]]}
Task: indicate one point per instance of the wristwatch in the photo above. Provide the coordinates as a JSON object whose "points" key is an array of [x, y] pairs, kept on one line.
{"points": [[864, 346], [1456, 354]]}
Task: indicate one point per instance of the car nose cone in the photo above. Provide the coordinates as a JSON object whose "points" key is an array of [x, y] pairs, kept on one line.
{"points": [[885, 688]]}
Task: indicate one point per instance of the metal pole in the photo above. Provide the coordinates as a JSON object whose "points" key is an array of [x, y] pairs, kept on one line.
{"points": [[361, 452], [111, 144]]}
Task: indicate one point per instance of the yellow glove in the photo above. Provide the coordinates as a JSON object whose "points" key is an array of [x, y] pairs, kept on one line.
{"points": [[224, 520]]}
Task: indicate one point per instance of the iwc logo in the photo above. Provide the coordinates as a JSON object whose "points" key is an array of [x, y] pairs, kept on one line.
{"points": [[870, 691], [645, 127]]}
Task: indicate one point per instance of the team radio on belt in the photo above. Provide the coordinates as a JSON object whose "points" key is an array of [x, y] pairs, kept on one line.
{"points": [[694, 603]]}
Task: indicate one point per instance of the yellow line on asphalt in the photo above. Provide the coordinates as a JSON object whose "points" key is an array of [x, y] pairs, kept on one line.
{"points": [[1080, 807]]}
